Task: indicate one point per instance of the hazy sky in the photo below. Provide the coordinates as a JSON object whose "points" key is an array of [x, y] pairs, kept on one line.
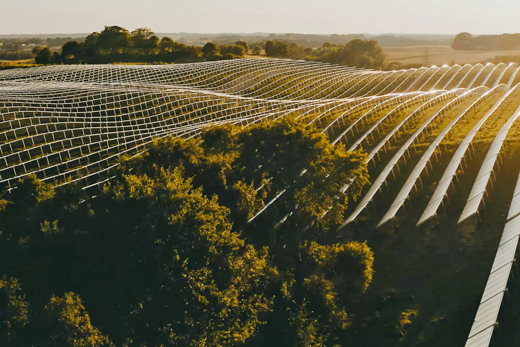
{"points": [[276, 16]]}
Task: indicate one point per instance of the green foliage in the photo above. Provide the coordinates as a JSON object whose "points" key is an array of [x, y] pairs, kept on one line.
{"points": [[116, 44], [352, 262], [271, 156], [276, 49], [306, 329], [229, 162], [113, 40], [244, 45], [71, 50], [164, 254], [143, 40], [167, 45], [15, 55], [13, 309], [301, 160], [69, 323], [209, 50], [22, 212], [406, 319], [257, 50], [208, 285], [45, 56], [16, 65], [329, 279], [359, 53]]}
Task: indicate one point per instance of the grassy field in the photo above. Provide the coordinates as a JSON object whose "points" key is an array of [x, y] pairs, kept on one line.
{"points": [[439, 55], [13, 64]]}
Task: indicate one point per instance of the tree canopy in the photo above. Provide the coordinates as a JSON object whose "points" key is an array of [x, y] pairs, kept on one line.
{"points": [[164, 254]]}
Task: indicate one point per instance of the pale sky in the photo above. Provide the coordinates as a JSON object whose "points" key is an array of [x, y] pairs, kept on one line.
{"points": [[273, 16]]}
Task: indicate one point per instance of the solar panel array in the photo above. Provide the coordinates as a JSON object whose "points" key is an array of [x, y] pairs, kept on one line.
{"points": [[72, 123]]}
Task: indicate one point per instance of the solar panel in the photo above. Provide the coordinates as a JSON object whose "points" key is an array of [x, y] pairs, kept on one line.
{"points": [[505, 254], [511, 230], [388, 168], [479, 187], [482, 339], [121, 108], [74, 122], [487, 314], [419, 167], [514, 208], [451, 170], [512, 78], [489, 307], [497, 282]]}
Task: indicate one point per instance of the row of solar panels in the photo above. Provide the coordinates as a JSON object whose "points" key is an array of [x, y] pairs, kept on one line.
{"points": [[486, 318], [277, 79]]}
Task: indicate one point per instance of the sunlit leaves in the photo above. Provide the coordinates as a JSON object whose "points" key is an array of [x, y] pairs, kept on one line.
{"points": [[69, 323]]}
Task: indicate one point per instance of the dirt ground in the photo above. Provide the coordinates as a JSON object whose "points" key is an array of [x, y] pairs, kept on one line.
{"points": [[439, 55]]}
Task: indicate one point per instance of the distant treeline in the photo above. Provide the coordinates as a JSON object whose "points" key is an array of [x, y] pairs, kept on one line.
{"points": [[5, 43], [357, 52], [14, 44], [16, 55], [27, 48], [116, 44], [308, 40], [315, 41], [466, 41]]}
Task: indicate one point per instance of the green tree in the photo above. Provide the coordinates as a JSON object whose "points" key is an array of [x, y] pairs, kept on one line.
{"points": [[230, 162], [294, 50], [167, 45], [140, 40], [463, 41], [91, 44], [224, 49], [114, 40], [152, 45], [171, 231], [71, 50], [276, 49], [358, 52], [227, 56], [208, 285], [244, 45], [179, 47], [45, 56], [257, 50], [238, 50], [210, 50], [270, 49], [37, 49], [209, 47]]}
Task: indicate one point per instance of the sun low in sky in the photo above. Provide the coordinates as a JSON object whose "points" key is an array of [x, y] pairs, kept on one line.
{"points": [[247, 16]]}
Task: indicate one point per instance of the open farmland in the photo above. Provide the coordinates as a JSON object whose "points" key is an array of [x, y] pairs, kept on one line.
{"points": [[443, 206], [440, 55]]}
